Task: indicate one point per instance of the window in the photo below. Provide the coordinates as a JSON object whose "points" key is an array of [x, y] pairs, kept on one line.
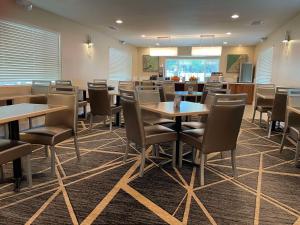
{"points": [[120, 64], [264, 67], [187, 67], [28, 53]]}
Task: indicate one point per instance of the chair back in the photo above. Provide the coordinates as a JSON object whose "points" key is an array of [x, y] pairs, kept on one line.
{"points": [[127, 85], [133, 121], [264, 89], [63, 82], [294, 98], [100, 81], [147, 83], [99, 99], [168, 86], [212, 85], [146, 95], [127, 93], [67, 97], [222, 127], [279, 106], [40, 87], [230, 99]]}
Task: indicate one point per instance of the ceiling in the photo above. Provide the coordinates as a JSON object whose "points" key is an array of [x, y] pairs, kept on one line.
{"points": [[181, 22]]}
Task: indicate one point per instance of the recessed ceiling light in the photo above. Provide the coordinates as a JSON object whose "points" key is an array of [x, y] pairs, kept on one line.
{"points": [[119, 21], [157, 44], [235, 16], [143, 35], [225, 42], [228, 33]]}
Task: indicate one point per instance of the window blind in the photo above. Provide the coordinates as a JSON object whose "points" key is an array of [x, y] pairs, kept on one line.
{"points": [[120, 64], [28, 53], [264, 67]]}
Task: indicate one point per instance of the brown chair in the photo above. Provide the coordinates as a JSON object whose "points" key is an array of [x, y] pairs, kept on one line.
{"points": [[143, 136], [11, 150], [220, 133], [292, 124], [146, 95], [263, 105], [147, 83], [59, 126], [127, 93], [100, 81], [100, 103], [169, 90], [63, 83], [126, 85]]}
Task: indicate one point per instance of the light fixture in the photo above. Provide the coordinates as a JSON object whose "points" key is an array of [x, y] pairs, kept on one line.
{"points": [[157, 44], [25, 3], [171, 51], [286, 38], [235, 16], [228, 33], [143, 35], [225, 43], [207, 51], [89, 42], [119, 21]]}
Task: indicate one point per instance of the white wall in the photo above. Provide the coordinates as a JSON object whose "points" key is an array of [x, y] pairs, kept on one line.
{"points": [[231, 77], [286, 59], [78, 64]]}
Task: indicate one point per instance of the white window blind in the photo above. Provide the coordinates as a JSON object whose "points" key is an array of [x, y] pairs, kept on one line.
{"points": [[28, 53], [120, 64], [264, 67]]}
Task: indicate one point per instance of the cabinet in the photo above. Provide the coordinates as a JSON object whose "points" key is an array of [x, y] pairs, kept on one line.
{"points": [[239, 88]]}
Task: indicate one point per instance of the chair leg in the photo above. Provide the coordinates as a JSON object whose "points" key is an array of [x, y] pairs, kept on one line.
{"points": [[157, 150], [76, 147], [270, 128], [297, 153], [282, 140], [260, 118], [202, 169], [28, 170], [233, 162], [46, 151], [91, 122], [110, 123], [253, 117], [126, 151], [174, 155], [1, 172], [143, 156], [52, 153], [221, 155], [194, 152]]}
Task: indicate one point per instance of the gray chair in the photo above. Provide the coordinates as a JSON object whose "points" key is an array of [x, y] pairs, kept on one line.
{"points": [[263, 105], [220, 133], [143, 136], [150, 95], [100, 103], [11, 150], [59, 126], [126, 85], [292, 124], [169, 90], [63, 82]]}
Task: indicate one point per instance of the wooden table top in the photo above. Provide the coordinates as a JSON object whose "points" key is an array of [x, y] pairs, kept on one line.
{"points": [[294, 109], [265, 96], [185, 109], [187, 93], [26, 110], [12, 97]]}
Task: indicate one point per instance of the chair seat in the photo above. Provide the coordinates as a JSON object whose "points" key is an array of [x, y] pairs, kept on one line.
{"points": [[194, 125], [11, 150], [82, 103], [159, 134], [157, 121], [193, 137], [47, 135], [264, 108]]}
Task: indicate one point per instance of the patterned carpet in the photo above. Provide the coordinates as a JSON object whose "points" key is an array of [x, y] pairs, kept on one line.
{"points": [[100, 189]]}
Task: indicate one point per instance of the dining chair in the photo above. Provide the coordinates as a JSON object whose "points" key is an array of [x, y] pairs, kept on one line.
{"points": [[147, 83], [146, 95], [169, 90], [212, 85], [127, 85], [263, 105], [143, 136], [59, 126], [127, 93], [100, 81], [63, 82], [100, 103], [292, 124], [220, 133], [11, 150]]}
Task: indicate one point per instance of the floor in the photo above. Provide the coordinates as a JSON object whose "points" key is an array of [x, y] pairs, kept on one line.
{"points": [[101, 189]]}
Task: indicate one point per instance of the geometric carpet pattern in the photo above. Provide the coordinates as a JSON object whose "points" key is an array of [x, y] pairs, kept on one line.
{"points": [[101, 189]]}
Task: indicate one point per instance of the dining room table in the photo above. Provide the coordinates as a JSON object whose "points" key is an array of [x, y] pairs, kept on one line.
{"points": [[183, 109], [11, 114]]}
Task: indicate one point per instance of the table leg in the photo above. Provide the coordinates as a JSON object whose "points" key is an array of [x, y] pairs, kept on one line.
{"points": [[14, 134], [118, 103], [177, 129]]}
